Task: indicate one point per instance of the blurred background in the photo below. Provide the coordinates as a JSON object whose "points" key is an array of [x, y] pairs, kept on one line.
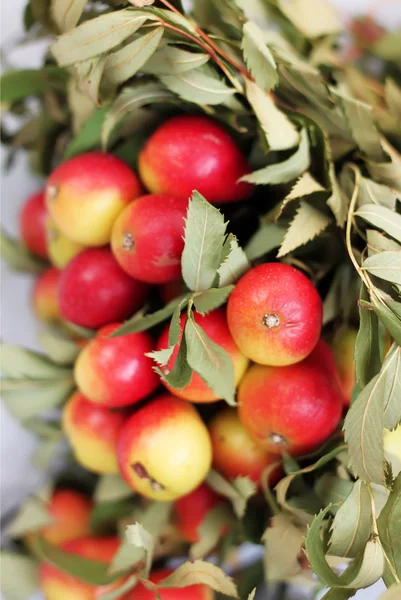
{"points": [[17, 476]]}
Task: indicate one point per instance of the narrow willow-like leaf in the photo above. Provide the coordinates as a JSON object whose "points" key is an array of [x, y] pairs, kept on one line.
{"points": [[124, 63], [66, 13], [389, 530], [89, 136], [18, 257], [89, 74], [59, 349], [212, 363], [393, 592], [377, 242], [142, 323], [204, 238], [372, 192], [198, 86], [287, 170], [170, 60], [367, 347], [281, 133], [306, 225], [352, 526], [97, 36], [386, 265], [389, 313], [258, 57], [19, 84], [388, 172], [239, 491], [383, 218], [392, 404]]}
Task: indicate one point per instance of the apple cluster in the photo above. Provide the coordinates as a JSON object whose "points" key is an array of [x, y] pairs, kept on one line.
{"points": [[112, 237]]}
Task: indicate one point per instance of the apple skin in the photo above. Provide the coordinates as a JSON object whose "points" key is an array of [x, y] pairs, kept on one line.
{"points": [[275, 315], [57, 585], [190, 153], [32, 220], [45, 300], [190, 511], [95, 291], [71, 512], [191, 592], [147, 239], [93, 433], [214, 324], [343, 349], [164, 450], [61, 249], [115, 372], [86, 193], [290, 409], [235, 452]]}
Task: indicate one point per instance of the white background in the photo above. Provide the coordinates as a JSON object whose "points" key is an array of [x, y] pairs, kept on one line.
{"points": [[18, 476]]}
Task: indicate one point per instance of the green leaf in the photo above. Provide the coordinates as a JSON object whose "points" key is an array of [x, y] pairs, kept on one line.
{"points": [[105, 515], [84, 569], [252, 595], [389, 313], [18, 257], [393, 593], [388, 46], [306, 225], [46, 453], [306, 185], [372, 192], [59, 349], [89, 136], [139, 537], [362, 126], [280, 132], [352, 526], [171, 60], [19, 363], [126, 62], [392, 404], [287, 170], [387, 172], [32, 516], [259, 59], [339, 200], [266, 238], [212, 363], [66, 14], [367, 348], [199, 86], [121, 591], [386, 265], [200, 572], [363, 571], [383, 218], [142, 323], [25, 399], [181, 374], [216, 522], [19, 576], [332, 489], [393, 98], [89, 74], [281, 559], [235, 262], [238, 491], [363, 426], [112, 487], [204, 238], [313, 18], [377, 242], [131, 99], [388, 524], [97, 36], [17, 85], [211, 299]]}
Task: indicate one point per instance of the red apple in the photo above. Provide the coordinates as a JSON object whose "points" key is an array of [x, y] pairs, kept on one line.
{"points": [[344, 348], [32, 219], [275, 315], [190, 511], [192, 592], [71, 511], [214, 324], [45, 301], [114, 371], [95, 291], [190, 153], [86, 193], [147, 238]]}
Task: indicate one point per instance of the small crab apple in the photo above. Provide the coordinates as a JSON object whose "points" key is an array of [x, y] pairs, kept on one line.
{"points": [[32, 220], [95, 291], [290, 409], [191, 592], [275, 315], [57, 585], [45, 301], [235, 452], [114, 371], [164, 450], [93, 433], [190, 511], [190, 153], [71, 512], [343, 349], [215, 326], [147, 238], [60, 248], [85, 195]]}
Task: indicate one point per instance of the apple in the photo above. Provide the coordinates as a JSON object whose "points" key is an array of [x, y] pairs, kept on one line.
{"points": [[191, 509], [191, 592], [343, 349], [71, 511], [60, 248], [32, 220], [45, 301]]}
